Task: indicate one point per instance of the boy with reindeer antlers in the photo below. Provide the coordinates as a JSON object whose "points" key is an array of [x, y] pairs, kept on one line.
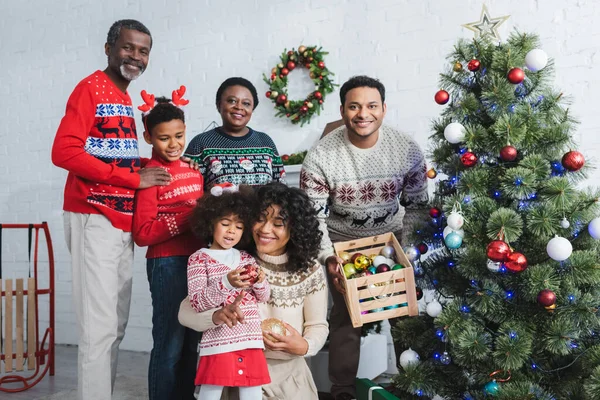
{"points": [[160, 221], [96, 143]]}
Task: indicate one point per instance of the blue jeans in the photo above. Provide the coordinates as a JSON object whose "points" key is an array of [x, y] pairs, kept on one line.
{"points": [[172, 368]]}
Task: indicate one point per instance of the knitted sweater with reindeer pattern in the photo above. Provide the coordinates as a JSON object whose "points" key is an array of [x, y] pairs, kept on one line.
{"points": [[97, 144], [364, 192]]}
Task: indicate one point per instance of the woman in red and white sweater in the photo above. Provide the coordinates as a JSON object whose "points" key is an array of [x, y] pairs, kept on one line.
{"points": [[218, 275]]}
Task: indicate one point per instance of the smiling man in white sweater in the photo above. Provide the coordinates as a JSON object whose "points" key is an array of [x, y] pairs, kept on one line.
{"points": [[365, 179]]}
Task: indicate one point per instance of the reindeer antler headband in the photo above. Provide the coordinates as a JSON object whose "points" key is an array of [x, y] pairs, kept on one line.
{"points": [[149, 100]]}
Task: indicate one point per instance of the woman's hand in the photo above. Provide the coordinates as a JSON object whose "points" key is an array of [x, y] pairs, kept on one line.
{"points": [[292, 343], [261, 275], [237, 279], [230, 314], [193, 164], [333, 264]]}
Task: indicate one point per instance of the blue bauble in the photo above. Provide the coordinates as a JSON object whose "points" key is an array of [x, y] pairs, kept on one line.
{"points": [[453, 240], [491, 388]]}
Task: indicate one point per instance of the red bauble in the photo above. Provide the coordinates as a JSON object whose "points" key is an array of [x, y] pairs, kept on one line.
{"points": [[497, 251], [419, 293], [288, 114], [304, 109], [354, 256], [381, 268], [573, 161], [268, 94], [515, 262], [468, 159], [291, 65], [441, 97], [281, 76], [252, 271], [434, 212], [282, 98], [285, 71], [508, 153], [273, 76], [546, 298], [321, 64], [307, 66], [422, 247], [318, 95], [516, 75], [473, 65], [290, 52], [320, 101]]}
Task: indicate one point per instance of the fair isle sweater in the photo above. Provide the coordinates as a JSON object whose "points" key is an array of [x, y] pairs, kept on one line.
{"points": [[208, 288], [251, 159], [97, 143], [297, 297], [364, 192], [161, 218]]}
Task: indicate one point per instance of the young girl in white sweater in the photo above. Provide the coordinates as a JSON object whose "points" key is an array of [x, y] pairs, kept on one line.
{"points": [[217, 275]]}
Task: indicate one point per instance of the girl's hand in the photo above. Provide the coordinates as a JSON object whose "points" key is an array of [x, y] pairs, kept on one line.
{"points": [[292, 343], [230, 314], [261, 275], [237, 279]]}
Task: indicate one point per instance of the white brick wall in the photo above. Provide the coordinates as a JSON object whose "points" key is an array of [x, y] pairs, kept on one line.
{"points": [[48, 46]]}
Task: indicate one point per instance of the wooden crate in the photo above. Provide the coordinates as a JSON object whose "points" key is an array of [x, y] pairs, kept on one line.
{"points": [[372, 293]]}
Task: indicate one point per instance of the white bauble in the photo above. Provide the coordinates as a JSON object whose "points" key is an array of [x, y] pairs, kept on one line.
{"points": [[594, 228], [559, 248], [387, 251], [454, 132], [409, 357], [379, 260], [448, 230], [390, 262], [536, 59], [434, 309], [411, 252], [565, 224], [455, 221], [493, 266]]}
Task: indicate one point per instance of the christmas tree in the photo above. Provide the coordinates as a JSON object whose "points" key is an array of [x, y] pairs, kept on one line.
{"points": [[513, 257]]}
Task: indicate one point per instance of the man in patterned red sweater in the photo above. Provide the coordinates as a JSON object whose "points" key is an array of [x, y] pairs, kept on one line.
{"points": [[97, 143]]}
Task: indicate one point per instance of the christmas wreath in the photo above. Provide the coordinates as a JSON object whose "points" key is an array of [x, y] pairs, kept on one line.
{"points": [[300, 111]]}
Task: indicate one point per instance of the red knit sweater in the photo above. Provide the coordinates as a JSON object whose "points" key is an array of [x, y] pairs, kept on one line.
{"points": [[161, 213], [97, 143]]}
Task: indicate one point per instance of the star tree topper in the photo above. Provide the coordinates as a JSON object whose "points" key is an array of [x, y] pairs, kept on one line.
{"points": [[486, 26]]}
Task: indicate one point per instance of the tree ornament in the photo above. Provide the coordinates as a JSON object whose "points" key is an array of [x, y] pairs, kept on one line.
{"points": [[453, 241], [493, 266], [434, 212], [445, 358], [546, 298], [473, 65], [468, 159], [354, 256], [573, 161], [252, 272], [388, 251], [362, 262], [448, 230], [422, 247], [551, 308], [594, 228], [441, 97], [281, 99], [454, 133], [432, 173], [516, 76], [508, 153], [377, 260], [301, 111], [497, 251], [455, 220], [349, 270], [491, 389], [434, 309], [536, 59], [457, 67], [274, 94], [564, 223], [274, 325], [409, 357], [515, 262], [397, 267], [411, 252], [268, 94], [381, 268], [419, 293], [344, 256], [559, 248]]}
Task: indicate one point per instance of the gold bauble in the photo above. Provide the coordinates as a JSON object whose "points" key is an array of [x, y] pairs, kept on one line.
{"points": [[301, 49], [309, 105], [287, 105], [457, 67], [551, 308], [274, 325], [361, 263], [345, 256], [274, 94], [274, 71], [432, 173]]}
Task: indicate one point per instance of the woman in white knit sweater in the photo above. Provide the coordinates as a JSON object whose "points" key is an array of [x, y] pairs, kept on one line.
{"points": [[287, 239]]}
